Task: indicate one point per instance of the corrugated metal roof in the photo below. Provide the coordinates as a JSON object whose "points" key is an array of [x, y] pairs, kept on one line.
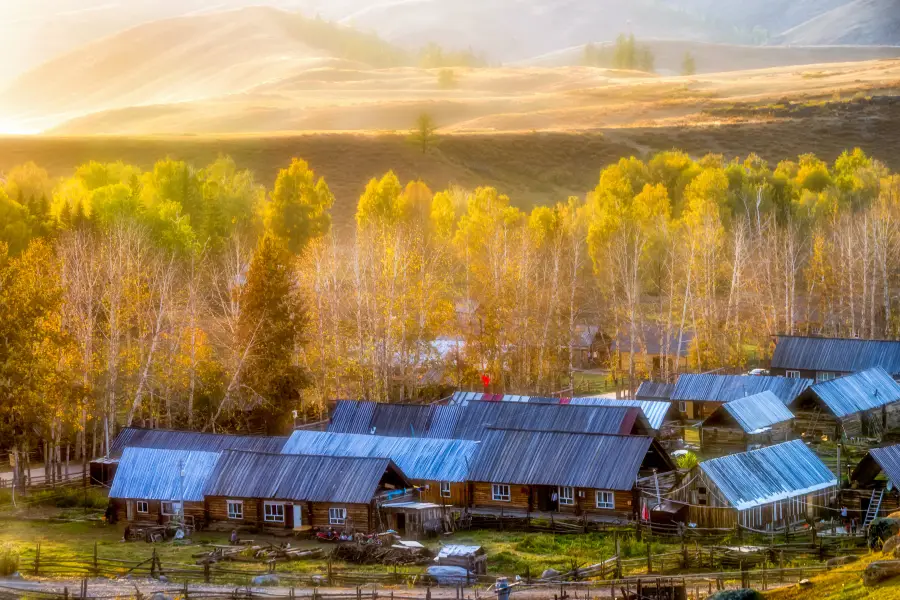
{"points": [[750, 479], [418, 458], [654, 390], [136, 437], [839, 355], [757, 412], [654, 410], [468, 421], [155, 474], [457, 550], [725, 388], [855, 393], [607, 462], [888, 458], [296, 477]]}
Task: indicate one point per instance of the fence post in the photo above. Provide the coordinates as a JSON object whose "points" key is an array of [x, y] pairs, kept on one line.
{"points": [[37, 559], [206, 571], [649, 559], [153, 571], [96, 563], [618, 574], [65, 593], [330, 574], [186, 591]]}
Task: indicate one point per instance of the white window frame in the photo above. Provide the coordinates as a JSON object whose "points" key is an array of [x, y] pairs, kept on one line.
{"points": [[175, 506], [566, 495], [605, 499], [238, 514], [445, 489], [792, 374], [682, 406], [270, 515], [825, 376], [337, 515], [145, 504], [500, 492]]}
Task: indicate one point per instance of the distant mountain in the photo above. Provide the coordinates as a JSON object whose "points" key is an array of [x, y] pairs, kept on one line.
{"points": [[772, 16], [861, 22]]}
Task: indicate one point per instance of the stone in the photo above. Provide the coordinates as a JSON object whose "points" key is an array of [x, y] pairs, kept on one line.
{"points": [[804, 584], [270, 579], [891, 544], [162, 579], [839, 561], [549, 574], [881, 570]]}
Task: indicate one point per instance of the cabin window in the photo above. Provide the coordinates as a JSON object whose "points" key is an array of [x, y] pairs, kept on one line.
{"points": [[682, 406], [337, 516], [824, 376], [792, 374], [701, 496], [273, 513], [235, 509], [142, 507], [606, 500], [566, 496], [445, 489], [500, 492], [171, 508]]}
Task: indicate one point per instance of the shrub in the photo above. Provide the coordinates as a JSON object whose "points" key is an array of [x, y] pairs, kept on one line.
{"points": [[687, 461], [9, 561]]}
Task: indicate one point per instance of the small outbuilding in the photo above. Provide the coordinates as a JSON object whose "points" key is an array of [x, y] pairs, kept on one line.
{"points": [[874, 484], [763, 489], [861, 405], [471, 558], [699, 395], [823, 359], [746, 424]]}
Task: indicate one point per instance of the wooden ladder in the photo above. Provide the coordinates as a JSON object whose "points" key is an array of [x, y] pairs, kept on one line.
{"points": [[874, 506], [811, 430]]}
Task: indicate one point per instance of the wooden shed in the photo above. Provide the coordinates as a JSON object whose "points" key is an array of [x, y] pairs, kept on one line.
{"points": [[861, 405], [300, 492], [471, 558], [874, 490], [746, 424], [527, 472], [699, 395], [763, 489], [823, 359]]}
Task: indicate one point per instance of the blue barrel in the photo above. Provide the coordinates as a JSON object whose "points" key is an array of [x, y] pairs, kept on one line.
{"points": [[502, 588]]}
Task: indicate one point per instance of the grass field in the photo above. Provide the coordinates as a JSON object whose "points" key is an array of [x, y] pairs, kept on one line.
{"points": [[843, 583]]}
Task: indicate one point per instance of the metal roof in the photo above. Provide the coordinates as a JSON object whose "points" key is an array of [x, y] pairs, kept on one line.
{"points": [[418, 458], [136, 437], [725, 388], [888, 458], [457, 550], [654, 410], [758, 477], [757, 412], [468, 421], [297, 477], [654, 390], [840, 355], [606, 462], [859, 392], [155, 474]]}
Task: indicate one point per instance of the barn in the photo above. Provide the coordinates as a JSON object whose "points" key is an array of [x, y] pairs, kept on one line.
{"points": [[297, 492], [823, 359], [862, 405], [152, 484], [530, 472], [745, 424], [763, 489]]}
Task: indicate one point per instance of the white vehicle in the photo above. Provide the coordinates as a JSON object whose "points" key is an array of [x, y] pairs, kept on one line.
{"points": [[758, 372]]}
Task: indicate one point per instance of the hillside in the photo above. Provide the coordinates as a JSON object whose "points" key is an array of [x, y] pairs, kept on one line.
{"points": [[487, 100], [861, 22], [180, 59]]}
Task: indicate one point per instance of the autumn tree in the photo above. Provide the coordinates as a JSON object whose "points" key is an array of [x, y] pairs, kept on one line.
{"points": [[423, 135]]}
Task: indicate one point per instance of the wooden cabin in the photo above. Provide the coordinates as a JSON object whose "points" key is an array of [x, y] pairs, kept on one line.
{"points": [[746, 424], [103, 469], [861, 405], [763, 489], [278, 492], [873, 488], [698, 396], [656, 352], [824, 359], [531, 472], [438, 468], [151, 484]]}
